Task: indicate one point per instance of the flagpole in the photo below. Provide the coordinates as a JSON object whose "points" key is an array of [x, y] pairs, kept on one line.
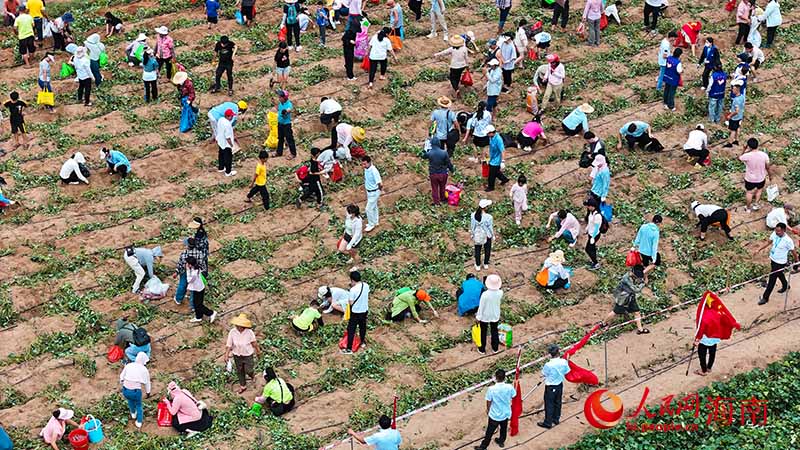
{"points": [[531, 391], [697, 330]]}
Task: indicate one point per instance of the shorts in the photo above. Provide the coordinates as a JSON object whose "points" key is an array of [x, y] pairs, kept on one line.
{"points": [[347, 239], [213, 20], [733, 125], [283, 71], [27, 46], [247, 12], [480, 141], [748, 186], [18, 127], [630, 308], [647, 260]]}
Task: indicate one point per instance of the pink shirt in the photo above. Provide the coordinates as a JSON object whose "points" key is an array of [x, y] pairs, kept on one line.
{"points": [[53, 431], [519, 194], [241, 344], [755, 166], [743, 12], [556, 76], [570, 223], [194, 281], [184, 407], [532, 130], [593, 9], [164, 47]]}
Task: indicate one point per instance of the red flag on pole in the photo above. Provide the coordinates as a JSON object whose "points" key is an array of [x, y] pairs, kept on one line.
{"points": [[578, 374], [713, 319], [394, 414], [516, 402]]}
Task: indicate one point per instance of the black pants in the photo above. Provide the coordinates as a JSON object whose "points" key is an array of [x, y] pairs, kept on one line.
{"points": [[492, 328], [773, 277], [552, 404], [227, 69], [73, 178], [37, 26], [706, 74], [285, 134], [150, 90], [719, 216], [770, 36], [491, 428], [651, 12], [487, 252], [200, 308], [165, 62], [310, 189], [356, 320], [85, 90], [264, 194], [496, 174], [348, 60], [562, 12], [455, 77], [293, 30], [225, 159], [416, 6], [701, 154], [279, 409], [507, 73], [122, 170], [641, 140], [201, 424], [575, 132], [525, 141], [58, 42], [401, 316], [707, 354], [591, 249], [560, 283], [741, 36], [373, 68]]}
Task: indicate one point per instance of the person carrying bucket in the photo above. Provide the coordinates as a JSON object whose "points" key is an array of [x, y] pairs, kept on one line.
{"points": [[57, 425]]}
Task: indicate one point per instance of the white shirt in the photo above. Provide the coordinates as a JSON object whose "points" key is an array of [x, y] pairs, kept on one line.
{"points": [[359, 303], [329, 106], [326, 160], [71, 166], [379, 50], [489, 306], [340, 296], [479, 126], [697, 140], [781, 246], [344, 134], [758, 55], [776, 216], [224, 134], [705, 210]]}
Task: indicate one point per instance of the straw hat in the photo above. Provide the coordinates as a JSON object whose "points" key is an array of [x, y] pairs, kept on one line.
{"points": [[242, 321], [444, 102], [484, 203], [456, 41], [586, 108], [162, 30], [180, 77], [494, 282], [195, 223], [359, 134], [557, 257], [423, 296]]}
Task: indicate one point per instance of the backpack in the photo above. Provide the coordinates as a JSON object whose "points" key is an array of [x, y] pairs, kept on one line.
{"points": [[586, 160], [654, 145], [302, 172], [140, 337], [291, 14], [604, 226], [479, 236]]}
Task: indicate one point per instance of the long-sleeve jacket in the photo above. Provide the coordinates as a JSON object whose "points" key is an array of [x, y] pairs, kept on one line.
{"points": [[772, 14], [647, 239], [601, 183], [187, 90], [709, 56], [198, 254], [438, 161], [165, 47]]}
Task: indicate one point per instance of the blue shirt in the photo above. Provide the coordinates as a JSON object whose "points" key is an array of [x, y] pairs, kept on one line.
{"points": [[554, 371], [500, 395], [496, 148], [218, 111], [444, 119], [284, 115], [114, 157], [494, 81], [470, 296], [640, 128], [647, 239], [737, 102], [372, 178], [509, 53], [708, 342], [211, 8], [663, 49], [601, 183], [385, 440], [575, 118], [718, 80]]}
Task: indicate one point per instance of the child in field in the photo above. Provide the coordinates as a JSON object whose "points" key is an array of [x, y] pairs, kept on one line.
{"points": [[282, 65], [211, 7], [519, 196], [15, 107], [321, 18]]}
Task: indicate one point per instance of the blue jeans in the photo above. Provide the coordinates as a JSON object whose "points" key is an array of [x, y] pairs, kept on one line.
{"points": [[180, 291], [134, 398], [567, 235], [491, 102], [715, 106], [353, 22], [95, 66], [669, 95], [503, 16], [660, 82], [45, 85]]}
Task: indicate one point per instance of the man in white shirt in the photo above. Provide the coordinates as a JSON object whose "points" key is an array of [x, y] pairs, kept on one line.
{"points": [[225, 142], [359, 307], [373, 184], [781, 215], [553, 373], [498, 408], [333, 298], [330, 111], [710, 215], [781, 244], [696, 145]]}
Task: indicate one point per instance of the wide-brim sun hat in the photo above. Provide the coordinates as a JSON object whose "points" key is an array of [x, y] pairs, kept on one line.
{"points": [[242, 321], [557, 257], [322, 292], [456, 40], [180, 77], [65, 414], [484, 203], [162, 30], [242, 105], [586, 108], [695, 204], [195, 223], [141, 37], [359, 134], [494, 282], [444, 101]]}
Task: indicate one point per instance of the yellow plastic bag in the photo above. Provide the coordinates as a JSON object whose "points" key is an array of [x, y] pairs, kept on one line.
{"points": [[272, 139], [543, 277], [347, 312], [476, 334], [45, 98]]}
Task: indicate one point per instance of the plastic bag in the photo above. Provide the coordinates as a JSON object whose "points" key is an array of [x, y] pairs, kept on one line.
{"points": [[543, 277], [155, 286], [343, 342], [188, 116], [476, 334], [633, 259], [365, 64], [45, 98], [607, 211], [272, 139], [229, 366], [772, 192], [397, 43], [115, 353], [47, 31], [603, 21], [164, 416], [362, 43], [66, 70], [239, 17], [282, 34], [103, 61], [336, 172], [466, 78]]}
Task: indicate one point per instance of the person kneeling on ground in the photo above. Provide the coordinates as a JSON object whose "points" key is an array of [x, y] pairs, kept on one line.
{"points": [[305, 321], [74, 170], [577, 122], [278, 395], [558, 275], [529, 135], [117, 162], [333, 299], [405, 304], [633, 133], [631, 284], [189, 415], [54, 431], [568, 226], [696, 146], [469, 295], [712, 215]]}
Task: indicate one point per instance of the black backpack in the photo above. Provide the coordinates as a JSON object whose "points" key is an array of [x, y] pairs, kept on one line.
{"points": [[140, 337], [654, 145], [586, 160], [604, 225]]}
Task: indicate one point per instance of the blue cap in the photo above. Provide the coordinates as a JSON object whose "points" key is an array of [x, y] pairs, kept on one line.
{"points": [[68, 17]]}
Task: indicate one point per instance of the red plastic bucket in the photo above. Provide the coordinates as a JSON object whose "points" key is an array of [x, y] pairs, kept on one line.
{"points": [[79, 439], [485, 169]]}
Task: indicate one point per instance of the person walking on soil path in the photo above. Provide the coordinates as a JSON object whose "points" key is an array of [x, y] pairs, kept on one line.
{"points": [[439, 165], [353, 233], [83, 72], [594, 223], [716, 93], [601, 179], [444, 124], [591, 19], [664, 51], [95, 48], [226, 51], [165, 50], [225, 143], [495, 157], [379, 49], [508, 58], [313, 181], [555, 75], [772, 16], [488, 314], [348, 51], [560, 11], [437, 14], [652, 9], [706, 354], [285, 134], [494, 83], [481, 230], [24, 26], [647, 242], [373, 184], [781, 245], [743, 12], [192, 250], [756, 171], [504, 8], [248, 10], [519, 198], [135, 380], [385, 439], [498, 409], [672, 78], [459, 61], [708, 214], [196, 284], [736, 114], [291, 11], [243, 347], [625, 294], [359, 307], [259, 184], [553, 372], [16, 118]]}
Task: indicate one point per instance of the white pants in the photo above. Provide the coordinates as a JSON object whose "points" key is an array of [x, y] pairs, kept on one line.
{"points": [[438, 15], [133, 263], [372, 208], [213, 122]]}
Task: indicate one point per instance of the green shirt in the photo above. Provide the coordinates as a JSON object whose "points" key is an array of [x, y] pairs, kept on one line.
{"points": [[306, 318], [405, 300], [273, 391], [24, 24]]}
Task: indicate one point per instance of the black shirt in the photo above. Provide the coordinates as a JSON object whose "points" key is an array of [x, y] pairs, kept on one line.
{"points": [[347, 37], [282, 58], [313, 166], [225, 52], [15, 110], [113, 20]]}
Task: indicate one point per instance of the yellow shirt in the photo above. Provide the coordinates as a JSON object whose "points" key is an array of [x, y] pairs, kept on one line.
{"points": [[24, 24], [261, 174], [35, 8]]}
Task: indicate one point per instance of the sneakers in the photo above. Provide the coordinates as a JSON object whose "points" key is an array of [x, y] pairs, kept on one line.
{"points": [[139, 425], [298, 48], [518, 222], [482, 352], [755, 207], [433, 34], [221, 170], [352, 79], [345, 351], [213, 317], [369, 228], [499, 442], [477, 267], [195, 320], [594, 266], [133, 415], [445, 38], [486, 267], [782, 290], [176, 301], [762, 300], [328, 311], [190, 433], [233, 173]]}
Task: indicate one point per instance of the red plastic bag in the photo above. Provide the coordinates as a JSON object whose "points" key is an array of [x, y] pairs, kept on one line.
{"points": [[115, 353], [603, 21], [533, 54], [356, 342], [730, 6], [357, 152], [164, 417], [633, 259], [282, 34], [365, 64], [466, 78], [336, 173]]}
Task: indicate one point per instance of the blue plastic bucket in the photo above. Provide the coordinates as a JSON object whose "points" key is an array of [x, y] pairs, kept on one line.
{"points": [[94, 428]]}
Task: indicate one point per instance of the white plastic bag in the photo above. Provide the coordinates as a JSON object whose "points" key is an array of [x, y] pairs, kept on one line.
{"points": [[154, 286], [772, 192], [229, 366]]}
